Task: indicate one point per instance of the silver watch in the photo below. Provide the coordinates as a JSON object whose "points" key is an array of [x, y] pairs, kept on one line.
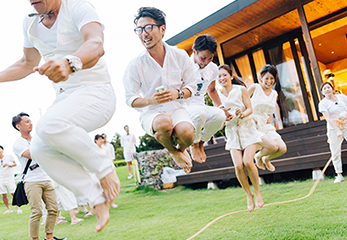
{"points": [[75, 63], [180, 94]]}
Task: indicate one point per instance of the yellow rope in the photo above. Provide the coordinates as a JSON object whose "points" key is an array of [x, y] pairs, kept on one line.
{"points": [[270, 204]]}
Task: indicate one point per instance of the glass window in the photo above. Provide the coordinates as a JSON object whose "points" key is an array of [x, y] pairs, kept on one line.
{"points": [[331, 50], [289, 91], [259, 60], [245, 69]]}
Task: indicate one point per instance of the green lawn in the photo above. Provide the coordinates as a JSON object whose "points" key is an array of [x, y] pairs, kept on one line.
{"points": [[181, 212]]}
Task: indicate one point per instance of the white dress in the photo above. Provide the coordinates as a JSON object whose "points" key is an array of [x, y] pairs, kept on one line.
{"points": [[240, 133], [263, 107]]}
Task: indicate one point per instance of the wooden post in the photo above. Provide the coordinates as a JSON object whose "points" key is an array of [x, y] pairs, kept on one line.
{"points": [[309, 45], [220, 54]]}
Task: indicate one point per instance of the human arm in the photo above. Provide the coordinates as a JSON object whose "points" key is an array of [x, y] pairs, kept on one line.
{"points": [[23, 67], [332, 123], [248, 105], [251, 90], [278, 117], [160, 98], [12, 163], [89, 52], [212, 92]]}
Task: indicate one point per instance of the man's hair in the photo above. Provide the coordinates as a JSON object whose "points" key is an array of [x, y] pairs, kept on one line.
{"points": [[97, 136], [2, 147], [157, 15], [126, 126], [16, 119], [205, 42]]}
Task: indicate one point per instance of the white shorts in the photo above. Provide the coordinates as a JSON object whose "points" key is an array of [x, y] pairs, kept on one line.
{"points": [[177, 116], [7, 184], [268, 131], [242, 135], [128, 156]]}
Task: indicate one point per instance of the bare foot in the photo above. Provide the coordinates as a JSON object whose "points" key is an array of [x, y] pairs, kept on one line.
{"points": [[268, 164], [102, 215], [203, 154], [250, 203], [111, 185], [259, 162], [196, 153], [183, 160], [88, 214], [259, 200], [77, 220]]}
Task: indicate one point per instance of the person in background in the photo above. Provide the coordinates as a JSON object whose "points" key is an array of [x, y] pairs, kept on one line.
{"points": [[334, 109], [128, 143], [37, 184], [7, 182]]}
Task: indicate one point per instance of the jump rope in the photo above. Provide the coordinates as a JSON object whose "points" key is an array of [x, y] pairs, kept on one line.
{"points": [[341, 123]]}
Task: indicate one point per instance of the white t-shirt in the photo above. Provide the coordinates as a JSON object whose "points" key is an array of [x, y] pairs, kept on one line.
{"points": [[128, 143], [109, 150], [82, 14], [204, 78], [333, 108], [6, 172], [19, 147]]}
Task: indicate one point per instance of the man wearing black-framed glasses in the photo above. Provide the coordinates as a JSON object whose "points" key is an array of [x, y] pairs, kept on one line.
{"points": [[157, 82]]}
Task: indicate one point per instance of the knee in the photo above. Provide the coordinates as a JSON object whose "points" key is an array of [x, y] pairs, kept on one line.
{"points": [[249, 164], [47, 128], [238, 167], [36, 213], [185, 132], [163, 125], [220, 116], [283, 149]]}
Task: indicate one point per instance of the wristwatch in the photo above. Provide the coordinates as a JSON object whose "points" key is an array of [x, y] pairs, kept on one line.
{"points": [[180, 94], [75, 63]]}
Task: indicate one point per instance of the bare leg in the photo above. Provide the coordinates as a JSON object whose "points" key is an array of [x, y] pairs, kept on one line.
{"points": [[282, 149], [201, 145], [102, 215], [74, 219], [5, 199], [248, 155], [111, 185], [241, 175], [269, 147], [129, 167], [163, 131]]}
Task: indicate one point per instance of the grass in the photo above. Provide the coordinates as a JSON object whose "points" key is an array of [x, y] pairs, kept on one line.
{"points": [[181, 212]]}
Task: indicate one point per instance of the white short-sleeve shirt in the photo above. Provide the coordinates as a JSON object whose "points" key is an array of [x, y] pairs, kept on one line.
{"points": [[19, 147], [6, 172]]}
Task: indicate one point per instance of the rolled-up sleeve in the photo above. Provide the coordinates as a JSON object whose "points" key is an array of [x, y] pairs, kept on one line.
{"points": [[132, 84]]}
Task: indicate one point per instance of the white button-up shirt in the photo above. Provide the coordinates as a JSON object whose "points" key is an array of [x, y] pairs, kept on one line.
{"points": [[204, 78], [144, 74]]}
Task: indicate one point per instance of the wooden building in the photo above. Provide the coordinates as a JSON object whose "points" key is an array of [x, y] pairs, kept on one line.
{"points": [[302, 38]]}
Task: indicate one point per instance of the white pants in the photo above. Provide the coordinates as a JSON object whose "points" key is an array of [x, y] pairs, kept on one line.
{"points": [[63, 147], [334, 145], [207, 121]]}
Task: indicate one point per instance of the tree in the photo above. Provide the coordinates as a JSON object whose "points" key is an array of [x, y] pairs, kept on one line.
{"points": [[117, 147], [147, 143]]}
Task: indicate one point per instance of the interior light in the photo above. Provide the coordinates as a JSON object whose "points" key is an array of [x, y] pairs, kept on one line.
{"points": [[332, 52]]}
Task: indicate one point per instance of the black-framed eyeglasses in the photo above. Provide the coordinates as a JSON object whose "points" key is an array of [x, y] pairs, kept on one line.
{"points": [[148, 28]]}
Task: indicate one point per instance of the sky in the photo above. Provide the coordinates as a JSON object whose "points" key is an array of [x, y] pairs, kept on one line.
{"points": [[35, 94]]}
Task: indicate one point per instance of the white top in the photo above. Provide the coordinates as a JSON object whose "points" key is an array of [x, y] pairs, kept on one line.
{"points": [[233, 101], [109, 150], [6, 172], [64, 38], [263, 105], [144, 74], [332, 108], [128, 142], [204, 78], [19, 147]]}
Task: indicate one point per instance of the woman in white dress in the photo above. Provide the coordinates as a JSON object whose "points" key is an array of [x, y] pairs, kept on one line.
{"points": [[263, 99], [241, 133], [333, 107]]}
